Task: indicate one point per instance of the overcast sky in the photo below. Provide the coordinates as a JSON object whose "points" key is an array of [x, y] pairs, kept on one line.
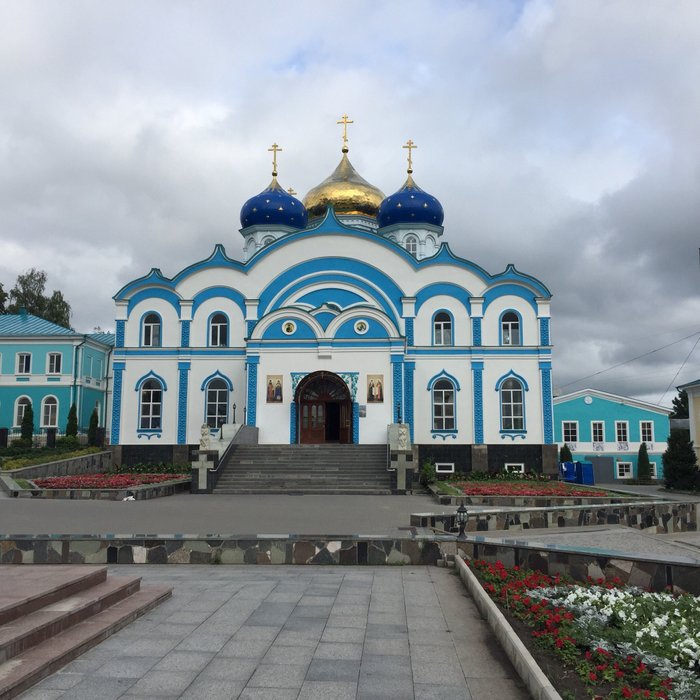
{"points": [[563, 137]]}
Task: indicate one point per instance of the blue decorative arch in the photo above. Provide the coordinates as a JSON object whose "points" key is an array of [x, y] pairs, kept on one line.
{"points": [[142, 321], [520, 327], [512, 375], [443, 375], [217, 375], [447, 289], [150, 375], [218, 292], [452, 328], [513, 290], [155, 293]]}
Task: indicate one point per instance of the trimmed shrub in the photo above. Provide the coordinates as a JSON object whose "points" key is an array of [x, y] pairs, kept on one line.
{"points": [[92, 428], [72, 424], [565, 454], [28, 424], [643, 465], [680, 462]]}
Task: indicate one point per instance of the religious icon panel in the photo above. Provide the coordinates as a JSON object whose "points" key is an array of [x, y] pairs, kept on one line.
{"points": [[274, 388], [375, 388]]}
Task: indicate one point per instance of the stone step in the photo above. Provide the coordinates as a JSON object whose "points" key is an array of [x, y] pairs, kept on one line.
{"points": [[306, 491], [52, 619], [29, 667]]}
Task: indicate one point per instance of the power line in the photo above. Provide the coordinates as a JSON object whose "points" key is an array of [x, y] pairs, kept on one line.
{"points": [[679, 369], [639, 357]]}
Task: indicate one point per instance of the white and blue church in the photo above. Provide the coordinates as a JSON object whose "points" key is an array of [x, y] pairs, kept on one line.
{"points": [[348, 313]]}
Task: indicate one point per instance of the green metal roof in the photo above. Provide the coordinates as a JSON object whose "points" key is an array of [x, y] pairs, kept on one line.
{"points": [[27, 324]]}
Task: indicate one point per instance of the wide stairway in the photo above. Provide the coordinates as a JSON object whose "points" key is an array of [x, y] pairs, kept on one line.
{"points": [[306, 469], [50, 614]]}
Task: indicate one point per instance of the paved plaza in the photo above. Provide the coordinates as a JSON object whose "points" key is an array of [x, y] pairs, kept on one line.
{"points": [[326, 633]]}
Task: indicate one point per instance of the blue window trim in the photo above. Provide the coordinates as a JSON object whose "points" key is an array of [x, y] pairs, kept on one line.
{"points": [[205, 387], [228, 329], [141, 325], [444, 433], [500, 328], [452, 329], [217, 375], [512, 434], [157, 432]]}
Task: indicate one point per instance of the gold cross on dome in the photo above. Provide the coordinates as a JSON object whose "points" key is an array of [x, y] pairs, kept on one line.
{"points": [[410, 146], [292, 191], [345, 121], [274, 149]]}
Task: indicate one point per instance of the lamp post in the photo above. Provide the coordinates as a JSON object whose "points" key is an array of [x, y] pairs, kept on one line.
{"points": [[234, 413], [462, 518]]}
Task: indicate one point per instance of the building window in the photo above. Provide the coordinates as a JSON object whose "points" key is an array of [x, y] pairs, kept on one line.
{"points": [[412, 245], [442, 329], [151, 405], [622, 435], [510, 329], [515, 467], [218, 331], [217, 403], [55, 363], [443, 405], [512, 413], [654, 469], [646, 428], [268, 240], [151, 331], [569, 431], [24, 362], [624, 470], [49, 413], [598, 431], [22, 404]]}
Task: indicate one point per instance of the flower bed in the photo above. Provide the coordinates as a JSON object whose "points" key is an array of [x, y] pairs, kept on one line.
{"points": [[524, 488], [104, 481], [620, 641]]}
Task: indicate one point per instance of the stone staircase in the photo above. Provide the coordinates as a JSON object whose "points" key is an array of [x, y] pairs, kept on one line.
{"points": [[50, 614], [306, 469]]}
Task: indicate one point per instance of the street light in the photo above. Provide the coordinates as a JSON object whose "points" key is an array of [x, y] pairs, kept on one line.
{"points": [[462, 518]]}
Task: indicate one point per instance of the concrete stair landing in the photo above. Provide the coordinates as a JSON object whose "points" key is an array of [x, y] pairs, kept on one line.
{"points": [[51, 614], [306, 469]]}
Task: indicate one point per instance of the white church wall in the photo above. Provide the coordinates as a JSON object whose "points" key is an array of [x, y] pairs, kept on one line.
{"points": [[170, 322], [199, 328], [490, 324], [423, 324]]}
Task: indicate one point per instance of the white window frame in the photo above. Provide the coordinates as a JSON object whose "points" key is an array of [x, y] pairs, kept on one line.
{"points": [[51, 363], [151, 395], [215, 331], [149, 327], [444, 467], [412, 244], [650, 423], [511, 333], [601, 423], [654, 469], [442, 422], [564, 425], [23, 405], [44, 404], [26, 366], [215, 397], [618, 424], [508, 396], [442, 329], [515, 467], [625, 475]]}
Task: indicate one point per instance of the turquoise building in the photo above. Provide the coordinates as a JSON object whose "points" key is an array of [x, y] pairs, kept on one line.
{"points": [[51, 367], [608, 430]]}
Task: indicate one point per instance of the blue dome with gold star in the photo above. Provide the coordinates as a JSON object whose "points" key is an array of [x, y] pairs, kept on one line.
{"points": [[410, 205], [273, 206]]}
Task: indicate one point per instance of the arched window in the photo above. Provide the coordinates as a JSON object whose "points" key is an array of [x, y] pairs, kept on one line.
{"points": [[218, 330], [512, 408], [217, 403], [22, 404], [510, 329], [151, 331], [151, 405], [412, 245], [443, 405], [442, 329], [49, 413], [268, 240]]}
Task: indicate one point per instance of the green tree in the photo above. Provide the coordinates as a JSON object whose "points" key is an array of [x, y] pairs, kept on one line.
{"points": [[643, 464], [27, 426], [3, 299], [565, 454], [92, 428], [680, 462], [680, 405], [28, 293], [72, 424]]}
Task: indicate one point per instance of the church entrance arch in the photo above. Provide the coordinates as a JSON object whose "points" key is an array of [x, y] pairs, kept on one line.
{"points": [[324, 409]]}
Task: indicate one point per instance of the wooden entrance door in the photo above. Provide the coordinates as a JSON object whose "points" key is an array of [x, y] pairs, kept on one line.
{"points": [[324, 409]]}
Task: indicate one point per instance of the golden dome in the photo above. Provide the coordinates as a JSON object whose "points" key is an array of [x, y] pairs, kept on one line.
{"points": [[346, 191]]}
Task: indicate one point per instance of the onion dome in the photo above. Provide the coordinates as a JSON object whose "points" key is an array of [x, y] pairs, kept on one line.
{"points": [[410, 205], [273, 206]]}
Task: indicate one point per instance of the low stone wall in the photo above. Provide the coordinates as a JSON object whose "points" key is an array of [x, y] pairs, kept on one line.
{"points": [[172, 549], [87, 464], [530, 501], [140, 493], [654, 517]]}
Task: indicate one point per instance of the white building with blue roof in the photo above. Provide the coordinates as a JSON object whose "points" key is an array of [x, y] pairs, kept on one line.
{"points": [[51, 367], [347, 313]]}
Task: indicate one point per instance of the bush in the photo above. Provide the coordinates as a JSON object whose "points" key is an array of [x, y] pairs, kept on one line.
{"points": [[28, 424], [427, 473], [92, 428], [161, 468], [643, 465], [69, 442], [72, 424], [680, 462], [565, 454]]}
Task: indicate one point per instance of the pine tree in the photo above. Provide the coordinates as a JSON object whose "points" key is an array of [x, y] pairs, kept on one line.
{"points": [[92, 428], [72, 424], [643, 464], [680, 462], [27, 427], [565, 454], [680, 405]]}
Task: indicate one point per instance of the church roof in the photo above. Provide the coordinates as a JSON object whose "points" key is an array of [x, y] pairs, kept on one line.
{"points": [[273, 206], [28, 324], [410, 205]]}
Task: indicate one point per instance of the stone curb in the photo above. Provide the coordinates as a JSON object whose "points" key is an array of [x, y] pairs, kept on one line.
{"points": [[537, 683]]}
